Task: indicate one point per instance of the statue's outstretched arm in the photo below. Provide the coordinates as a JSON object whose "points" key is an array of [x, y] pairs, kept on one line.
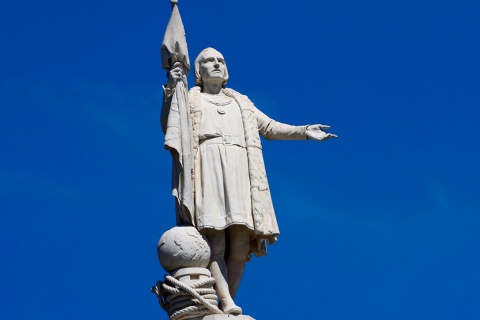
{"points": [[274, 130]]}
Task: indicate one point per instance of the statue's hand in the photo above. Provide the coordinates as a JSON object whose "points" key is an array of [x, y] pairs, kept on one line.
{"points": [[175, 75], [317, 132]]}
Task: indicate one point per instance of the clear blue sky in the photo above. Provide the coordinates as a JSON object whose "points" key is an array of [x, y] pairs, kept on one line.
{"points": [[380, 224]]}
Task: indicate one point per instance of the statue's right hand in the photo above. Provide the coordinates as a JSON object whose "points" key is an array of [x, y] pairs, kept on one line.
{"points": [[175, 75]]}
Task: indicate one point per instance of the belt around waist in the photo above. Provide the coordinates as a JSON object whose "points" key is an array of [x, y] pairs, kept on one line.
{"points": [[226, 139]]}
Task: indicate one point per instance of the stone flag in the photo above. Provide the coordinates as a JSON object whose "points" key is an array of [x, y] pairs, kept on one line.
{"points": [[178, 130]]}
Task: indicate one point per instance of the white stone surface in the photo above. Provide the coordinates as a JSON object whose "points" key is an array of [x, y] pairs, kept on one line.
{"points": [[232, 196], [227, 317], [219, 178]]}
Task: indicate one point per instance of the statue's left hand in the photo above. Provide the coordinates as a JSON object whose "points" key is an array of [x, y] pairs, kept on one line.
{"points": [[317, 132]]}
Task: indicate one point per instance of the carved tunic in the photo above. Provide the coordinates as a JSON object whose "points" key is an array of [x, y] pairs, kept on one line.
{"points": [[222, 186]]}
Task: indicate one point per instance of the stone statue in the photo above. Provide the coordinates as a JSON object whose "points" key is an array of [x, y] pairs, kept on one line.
{"points": [[218, 179], [232, 202]]}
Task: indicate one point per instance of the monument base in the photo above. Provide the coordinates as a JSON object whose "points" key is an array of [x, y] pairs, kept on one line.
{"points": [[223, 317], [226, 317]]}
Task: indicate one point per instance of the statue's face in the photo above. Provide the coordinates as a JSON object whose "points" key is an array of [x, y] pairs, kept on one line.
{"points": [[213, 68]]}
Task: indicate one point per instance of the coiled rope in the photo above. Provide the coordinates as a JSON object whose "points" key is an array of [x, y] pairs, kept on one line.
{"points": [[180, 300]]}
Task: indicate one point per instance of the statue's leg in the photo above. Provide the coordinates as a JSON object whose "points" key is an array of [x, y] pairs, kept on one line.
{"points": [[218, 268], [239, 246]]}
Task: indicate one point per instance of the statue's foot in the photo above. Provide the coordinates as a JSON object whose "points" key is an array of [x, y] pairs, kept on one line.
{"points": [[229, 307]]}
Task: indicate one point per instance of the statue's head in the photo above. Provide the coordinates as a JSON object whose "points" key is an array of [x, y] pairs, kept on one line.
{"points": [[210, 66]]}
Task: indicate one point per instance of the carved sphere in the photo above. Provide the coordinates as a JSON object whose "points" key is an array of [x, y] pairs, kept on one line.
{"points": [[183, 247]]}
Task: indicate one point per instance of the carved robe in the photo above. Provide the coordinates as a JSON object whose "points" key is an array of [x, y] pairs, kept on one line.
{"points": [[253, 123], [262, 220]]}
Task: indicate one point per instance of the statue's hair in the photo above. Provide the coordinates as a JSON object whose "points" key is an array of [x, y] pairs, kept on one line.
{"points": [[201, 56]]}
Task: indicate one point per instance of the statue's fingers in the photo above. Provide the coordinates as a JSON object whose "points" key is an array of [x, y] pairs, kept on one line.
{"points": [[331, 135], [177, 64], [177, 74], [323, 127]]}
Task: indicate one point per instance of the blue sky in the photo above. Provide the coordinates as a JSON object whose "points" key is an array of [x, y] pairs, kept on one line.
{"points": [[381, 223]]}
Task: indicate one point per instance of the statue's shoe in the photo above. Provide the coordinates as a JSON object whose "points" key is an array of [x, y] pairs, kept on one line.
{"points": [[232, 309]]}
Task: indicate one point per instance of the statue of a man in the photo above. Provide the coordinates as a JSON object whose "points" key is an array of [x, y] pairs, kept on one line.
{"points": [[232, 199]]}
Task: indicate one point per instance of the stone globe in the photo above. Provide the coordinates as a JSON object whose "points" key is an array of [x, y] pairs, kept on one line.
{"points": [[183, 247]]}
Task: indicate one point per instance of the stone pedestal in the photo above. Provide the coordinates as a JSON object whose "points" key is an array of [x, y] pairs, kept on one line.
{"points": [[226, 317], [221, 317], [191, 276]]}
